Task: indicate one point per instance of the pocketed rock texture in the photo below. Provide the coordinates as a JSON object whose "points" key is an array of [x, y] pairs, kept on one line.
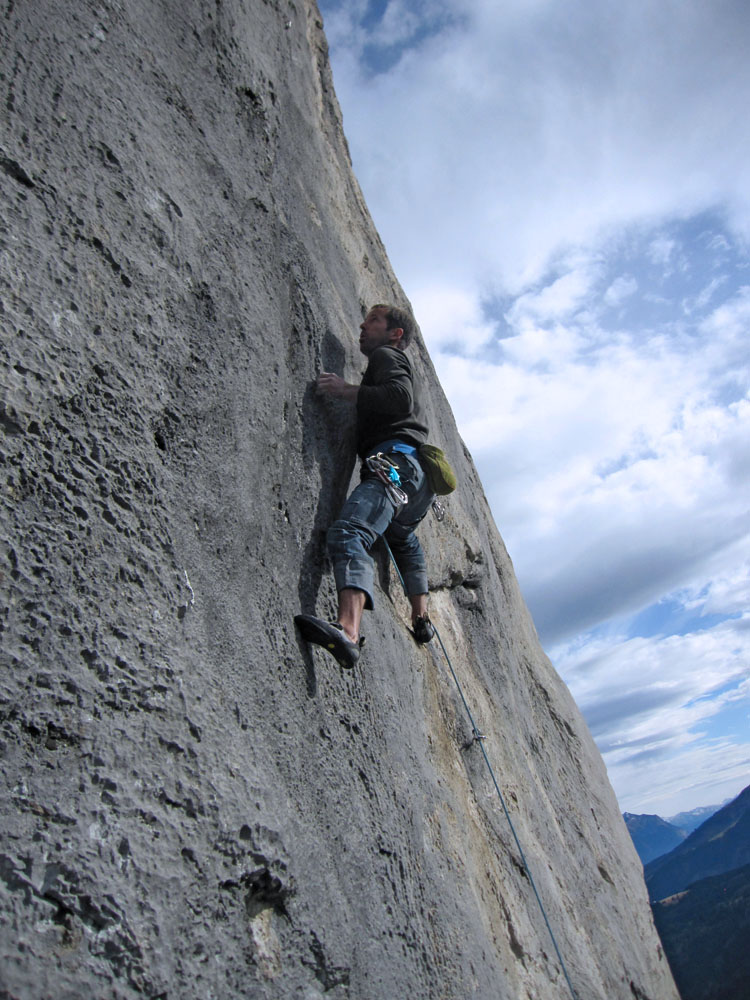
{"points": [[196, 805]]}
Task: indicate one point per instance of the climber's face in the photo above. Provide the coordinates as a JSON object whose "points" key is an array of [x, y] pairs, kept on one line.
{"points": [[374, 332]]}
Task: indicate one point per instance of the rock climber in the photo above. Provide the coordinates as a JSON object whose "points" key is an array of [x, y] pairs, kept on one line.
{"points": [[390, 422]]}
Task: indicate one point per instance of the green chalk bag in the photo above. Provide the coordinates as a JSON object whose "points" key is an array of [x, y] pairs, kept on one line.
{"points": [[440, 475]]}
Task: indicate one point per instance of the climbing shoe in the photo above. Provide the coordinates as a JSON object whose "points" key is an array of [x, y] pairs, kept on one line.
{"points": [[331, 636], [423, 630]]}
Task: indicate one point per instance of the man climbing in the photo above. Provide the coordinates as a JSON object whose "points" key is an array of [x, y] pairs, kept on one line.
{"points": [[389, 422]]}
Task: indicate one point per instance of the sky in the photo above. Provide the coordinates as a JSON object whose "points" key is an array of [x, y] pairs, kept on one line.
{"points": [[563, 190]]}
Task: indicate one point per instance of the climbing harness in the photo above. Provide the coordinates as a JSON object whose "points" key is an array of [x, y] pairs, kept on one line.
{"points": [[387, 473], [480, 738]]}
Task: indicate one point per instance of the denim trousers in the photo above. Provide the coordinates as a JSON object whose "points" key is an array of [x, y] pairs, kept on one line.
{"points": [[369, 513]]}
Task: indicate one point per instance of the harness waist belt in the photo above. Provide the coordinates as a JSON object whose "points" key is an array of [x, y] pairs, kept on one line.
{"points": [[395, 445]]}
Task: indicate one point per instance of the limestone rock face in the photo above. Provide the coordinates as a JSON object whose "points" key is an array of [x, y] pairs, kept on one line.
{"points": [[195, 805]]}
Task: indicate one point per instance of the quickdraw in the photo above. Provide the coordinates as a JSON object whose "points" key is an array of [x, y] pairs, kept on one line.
{"points": [[387, 473]]}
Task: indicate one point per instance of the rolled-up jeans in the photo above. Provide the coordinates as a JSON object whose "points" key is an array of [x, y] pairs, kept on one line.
{"points": [[369, 513]]}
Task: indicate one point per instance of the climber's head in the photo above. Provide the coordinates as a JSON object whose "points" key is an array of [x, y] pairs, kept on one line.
{"points": [[385, 325]]}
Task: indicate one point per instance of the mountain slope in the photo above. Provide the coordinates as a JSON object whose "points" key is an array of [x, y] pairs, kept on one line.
{"points": [[705, 931], [718, 845], [652, 835], [196, 805]]}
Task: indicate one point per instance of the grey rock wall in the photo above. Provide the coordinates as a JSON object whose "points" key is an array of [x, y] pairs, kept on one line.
{"points": [[195, 805]]}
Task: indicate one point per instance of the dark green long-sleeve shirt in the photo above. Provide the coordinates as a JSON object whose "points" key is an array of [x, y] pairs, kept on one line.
{"points": [[388, 404]]}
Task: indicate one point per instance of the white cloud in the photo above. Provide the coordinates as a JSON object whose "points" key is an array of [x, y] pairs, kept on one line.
{"points": [[661, 251], [680, 670], [702, 774], [553, 122], [727, 327], [557, 300], [649, 702], [453, 317], [625, 437], [705, 295], [620, 289]]}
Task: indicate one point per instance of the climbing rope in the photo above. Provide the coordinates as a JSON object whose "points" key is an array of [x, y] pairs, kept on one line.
{"points": [[480, 738]]}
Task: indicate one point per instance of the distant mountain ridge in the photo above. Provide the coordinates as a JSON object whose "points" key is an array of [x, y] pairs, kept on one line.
{"points": [[719, 845], [691, 820], [652, 836]]}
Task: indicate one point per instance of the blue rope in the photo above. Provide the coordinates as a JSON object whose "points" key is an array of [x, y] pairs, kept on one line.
{"points": [[479, 738]]}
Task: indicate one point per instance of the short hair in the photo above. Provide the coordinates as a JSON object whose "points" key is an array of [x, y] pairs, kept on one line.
{"points": [[396, 318]]}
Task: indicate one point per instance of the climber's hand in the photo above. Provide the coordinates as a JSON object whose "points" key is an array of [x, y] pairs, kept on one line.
{"points": [[328, 384]]}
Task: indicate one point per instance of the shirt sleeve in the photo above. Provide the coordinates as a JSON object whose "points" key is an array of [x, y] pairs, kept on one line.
{"points": [[387, 388]]}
